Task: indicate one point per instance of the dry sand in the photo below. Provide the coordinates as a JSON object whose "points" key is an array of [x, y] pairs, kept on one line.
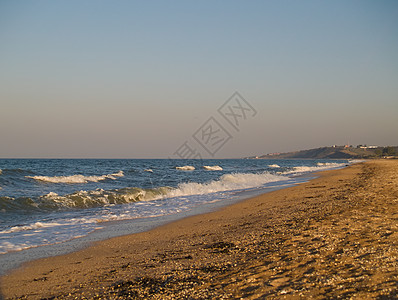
{"points": [[333, 237]]}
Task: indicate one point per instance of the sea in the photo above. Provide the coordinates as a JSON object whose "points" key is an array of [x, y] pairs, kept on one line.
{"points": [[54, 206]]}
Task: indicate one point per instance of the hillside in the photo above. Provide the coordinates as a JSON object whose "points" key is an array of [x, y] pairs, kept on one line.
{"points": [[337, 152]]}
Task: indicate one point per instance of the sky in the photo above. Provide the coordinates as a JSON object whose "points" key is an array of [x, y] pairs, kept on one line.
{"points": [[147, 79]]}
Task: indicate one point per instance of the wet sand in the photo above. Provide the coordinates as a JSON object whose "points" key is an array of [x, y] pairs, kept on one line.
{"points": [[333, 237]]}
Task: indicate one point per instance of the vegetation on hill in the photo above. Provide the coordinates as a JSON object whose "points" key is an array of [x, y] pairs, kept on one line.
{"points": [[336, 152]]}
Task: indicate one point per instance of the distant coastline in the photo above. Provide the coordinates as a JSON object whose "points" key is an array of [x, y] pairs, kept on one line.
{"points": [[336, 152]]}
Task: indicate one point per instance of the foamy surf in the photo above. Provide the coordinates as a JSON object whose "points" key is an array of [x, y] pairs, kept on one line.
{"points": [[143, 203], [212, 168], [354, 161], [34, 226], [98, 198], [76, 178], [307, 169], [227, 182], [186, 168], [82, 199], [34, 214], [45, 233]]}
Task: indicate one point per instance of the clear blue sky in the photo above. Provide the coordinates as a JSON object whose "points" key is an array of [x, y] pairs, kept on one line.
{"points": [[136, 79]]}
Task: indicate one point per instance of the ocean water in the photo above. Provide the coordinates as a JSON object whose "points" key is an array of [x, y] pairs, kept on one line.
{"points": [[53, 201]]}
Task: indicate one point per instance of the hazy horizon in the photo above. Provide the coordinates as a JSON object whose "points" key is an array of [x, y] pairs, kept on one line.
{"points": [[133, 79]]}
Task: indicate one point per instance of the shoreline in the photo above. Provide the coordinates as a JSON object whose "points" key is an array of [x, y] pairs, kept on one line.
{"points": [[16, 259], [297, 241]]}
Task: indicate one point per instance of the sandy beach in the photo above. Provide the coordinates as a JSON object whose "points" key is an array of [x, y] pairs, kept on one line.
{"points": [[333, 237]]}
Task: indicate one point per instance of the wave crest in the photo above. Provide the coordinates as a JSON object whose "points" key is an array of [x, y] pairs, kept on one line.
{"points": [[33, 226], [76, 178], [318, 167], [96, 198], [227, 182], [212, 168], [82, 199], [186, 168], [274, 166], [100, 197]]}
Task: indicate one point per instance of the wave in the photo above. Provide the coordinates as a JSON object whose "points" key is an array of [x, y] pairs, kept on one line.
{"points": [[354, 161], [82, 199], [318, 167], [227, 182], [274, 166], [96, 198], [76, 178], [212, 168], [327, 164], [45, 232], [100, 197], [186, 168], [33, 226]]}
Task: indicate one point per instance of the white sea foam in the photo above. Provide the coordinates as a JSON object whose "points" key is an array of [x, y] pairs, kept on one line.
{"points": [[182, 198], [226, 182], [77, 178], [327, 164], [212, 168], [186, 168], [100, 197], [307, 169], [41, 233], [67, 224], [354, 161], [6, 246], [274, 166], [34, 226]]}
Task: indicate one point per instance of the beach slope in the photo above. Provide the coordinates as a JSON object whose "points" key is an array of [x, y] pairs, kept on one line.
{"points": [[334, 236]]}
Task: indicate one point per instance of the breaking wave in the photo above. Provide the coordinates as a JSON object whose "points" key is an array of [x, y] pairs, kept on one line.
{"points": [[212, 168], [227, 182], [33, 226], [100, 197], [82, 199], [330, 165], [354, 161], [307, 169], [274, 166], [76, 178], [96, 198], [186, 168]]}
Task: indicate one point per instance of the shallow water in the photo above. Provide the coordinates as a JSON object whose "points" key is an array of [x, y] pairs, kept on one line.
{"points": [[53, 202]]}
